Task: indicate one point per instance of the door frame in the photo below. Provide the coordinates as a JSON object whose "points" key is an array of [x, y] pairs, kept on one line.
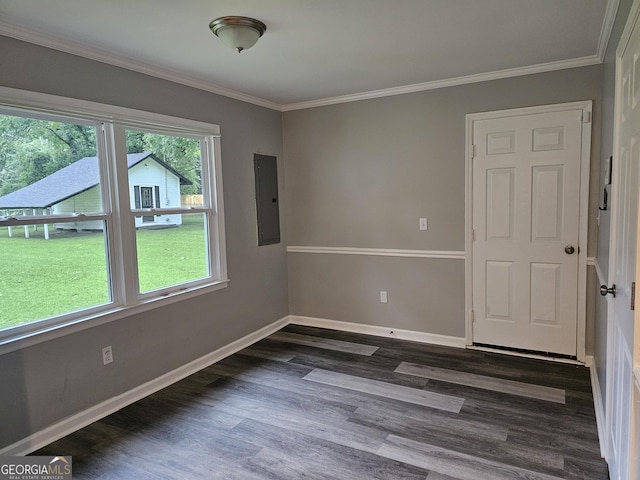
{"points": [[585, 166]]}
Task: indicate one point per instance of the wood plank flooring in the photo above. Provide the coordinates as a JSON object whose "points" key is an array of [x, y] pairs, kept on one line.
{"points": [[320, 404]]}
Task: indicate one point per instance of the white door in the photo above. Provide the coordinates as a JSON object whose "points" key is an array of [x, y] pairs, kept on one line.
{"points": [[622, 253], [526, 222]]}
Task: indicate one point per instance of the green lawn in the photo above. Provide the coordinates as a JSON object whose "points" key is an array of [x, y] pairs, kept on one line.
{"points": [[40, 278]]}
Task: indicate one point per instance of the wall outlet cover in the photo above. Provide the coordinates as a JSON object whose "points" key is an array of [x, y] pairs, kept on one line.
{"points": [[107, 355]]}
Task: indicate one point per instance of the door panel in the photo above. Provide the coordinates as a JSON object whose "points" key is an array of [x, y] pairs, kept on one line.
{"points": [[526, 189], [499, 143], [545, 301], [500, 206], [551, 138], [499, 291], [547, 203]]}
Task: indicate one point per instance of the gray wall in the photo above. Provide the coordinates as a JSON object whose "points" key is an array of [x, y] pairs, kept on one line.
{"points": [[49, 381], [602, 255], [356, 175], [361, 174]]}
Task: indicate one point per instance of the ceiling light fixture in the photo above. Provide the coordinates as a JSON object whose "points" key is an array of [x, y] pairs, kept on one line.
{"points": [[238, 32]]}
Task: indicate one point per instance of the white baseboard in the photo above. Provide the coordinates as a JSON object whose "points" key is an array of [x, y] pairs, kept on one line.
{"points": [[598, 405], [101, 410], [390, 332]]}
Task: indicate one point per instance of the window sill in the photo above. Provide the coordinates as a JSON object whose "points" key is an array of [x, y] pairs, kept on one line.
{"points": [[28, 339]]}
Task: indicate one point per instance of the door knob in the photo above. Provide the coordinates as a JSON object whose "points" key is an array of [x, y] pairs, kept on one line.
{"points": [[569, 249], [604, 290]]}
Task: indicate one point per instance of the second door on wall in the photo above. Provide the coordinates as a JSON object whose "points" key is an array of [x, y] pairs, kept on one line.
{"points": [[526, 209]]}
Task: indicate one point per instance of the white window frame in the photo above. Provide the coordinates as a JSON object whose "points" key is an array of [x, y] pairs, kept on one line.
{"points": [[111, 123]]}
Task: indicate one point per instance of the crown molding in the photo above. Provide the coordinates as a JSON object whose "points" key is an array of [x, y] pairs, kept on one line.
{"points": [[75, 48], [603, 41], [450, 82], [607, 28]]}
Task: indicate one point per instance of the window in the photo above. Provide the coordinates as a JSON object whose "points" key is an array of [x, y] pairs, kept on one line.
{"points": [[171, 239], [99, 217]]}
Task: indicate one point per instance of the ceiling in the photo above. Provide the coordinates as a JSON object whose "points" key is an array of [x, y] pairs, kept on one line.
{"points": [[317, 52]]}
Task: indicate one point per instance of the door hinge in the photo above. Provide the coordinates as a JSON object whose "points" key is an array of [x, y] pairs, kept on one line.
{"points": [[633, 295], [473, 316], [474, 151], [586, 116], [473, 235]]}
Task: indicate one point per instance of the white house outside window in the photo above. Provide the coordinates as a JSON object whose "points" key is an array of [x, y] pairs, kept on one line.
{"points": [[78, 189]]}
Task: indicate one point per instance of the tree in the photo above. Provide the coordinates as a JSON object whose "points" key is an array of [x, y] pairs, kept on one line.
{"points": [[182, 154], [80, 140], [31, 149]]}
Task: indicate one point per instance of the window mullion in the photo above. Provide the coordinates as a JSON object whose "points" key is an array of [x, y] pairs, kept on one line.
{"points": [[212, 192], [217, 243], [124, 225], [113, 244]]}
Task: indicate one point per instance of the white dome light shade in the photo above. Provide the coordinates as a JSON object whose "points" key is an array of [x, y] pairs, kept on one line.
{"points": [[238, 32], [238, 37]]}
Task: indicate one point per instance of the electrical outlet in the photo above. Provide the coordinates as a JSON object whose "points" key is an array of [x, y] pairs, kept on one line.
{"points": [[107, 355], [423, 224], [383, 297]]}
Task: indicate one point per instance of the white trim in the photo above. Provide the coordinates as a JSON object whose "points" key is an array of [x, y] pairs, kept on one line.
{"points": [[516, 112], [589, 361], [101, 410], [585, 161], [468, 229], [583, 233], [75, 48], [125, 301], [384, 252], [42, 332], [449, 82], [26, 220], [601, 279], [598, 405], [216, 179], [634, 11], [389, 332], [81, 50], [101, 112], [607, 27], [600, 274]]}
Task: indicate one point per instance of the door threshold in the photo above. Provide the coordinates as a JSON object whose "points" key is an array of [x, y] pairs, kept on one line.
{"points": [[519, 352]]}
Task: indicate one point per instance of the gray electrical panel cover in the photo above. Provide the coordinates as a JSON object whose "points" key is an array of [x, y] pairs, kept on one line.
{"points": [[266, 172]]}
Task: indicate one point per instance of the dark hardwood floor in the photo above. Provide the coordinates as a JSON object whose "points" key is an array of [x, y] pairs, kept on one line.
{"points": [[321, 404]]}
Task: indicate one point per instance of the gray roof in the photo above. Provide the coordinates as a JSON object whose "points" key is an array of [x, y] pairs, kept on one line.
{"points": [[70, 181]]}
